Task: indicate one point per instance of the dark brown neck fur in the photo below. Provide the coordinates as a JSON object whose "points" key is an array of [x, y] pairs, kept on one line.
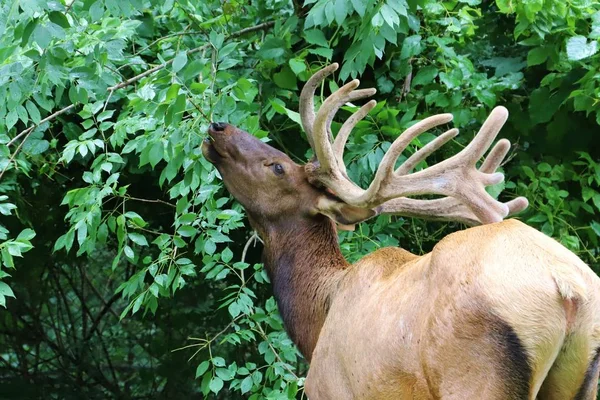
{"points": [[304, 262]]}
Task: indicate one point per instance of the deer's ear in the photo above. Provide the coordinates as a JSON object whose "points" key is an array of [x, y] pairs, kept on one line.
{"points": [[343, 214]]}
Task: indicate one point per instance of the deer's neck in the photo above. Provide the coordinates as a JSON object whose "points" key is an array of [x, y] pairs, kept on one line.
{"points": [[305, 264]]}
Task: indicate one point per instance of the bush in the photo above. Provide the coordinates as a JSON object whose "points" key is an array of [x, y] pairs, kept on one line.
{"points": [[139, 251]]}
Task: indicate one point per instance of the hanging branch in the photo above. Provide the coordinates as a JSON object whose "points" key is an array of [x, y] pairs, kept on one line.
{"points": [[47, 119], [26, 132], [241, 32]]}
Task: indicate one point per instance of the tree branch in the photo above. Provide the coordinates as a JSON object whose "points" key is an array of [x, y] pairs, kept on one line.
{"points": [[28, 131], [47, 119], [136, 78]]}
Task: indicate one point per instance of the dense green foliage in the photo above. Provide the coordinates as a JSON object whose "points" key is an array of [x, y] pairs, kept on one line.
{"points": [[133, 248]]}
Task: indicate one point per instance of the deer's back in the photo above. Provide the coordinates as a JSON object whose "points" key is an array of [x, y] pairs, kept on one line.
{"points": [[411, 307]]}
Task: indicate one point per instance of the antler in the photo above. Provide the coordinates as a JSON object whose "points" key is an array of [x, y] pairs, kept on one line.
{"points": [[456, 177]]}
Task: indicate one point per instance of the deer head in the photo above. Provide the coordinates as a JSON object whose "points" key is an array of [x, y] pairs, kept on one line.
{"points": [[269, 185], [272, 187]]}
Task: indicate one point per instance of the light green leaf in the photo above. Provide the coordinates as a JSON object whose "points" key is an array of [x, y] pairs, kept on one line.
{"points": [[315, 36], [537, 56], [156, 153], [297, 65], [216, 384], [33, 111], [246, 385], [425, 75], [179, 61], [595, 227], [360, 6], [578, 48], [26, 234], [5, 290], [138, 238], [202, 368]]}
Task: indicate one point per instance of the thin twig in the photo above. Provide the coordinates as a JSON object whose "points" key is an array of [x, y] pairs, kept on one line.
{"points": [[253, 239], [12, 158], [47, 119], [99, 295], [123, 84], [285, 365], [167, 37], [241, 32], [150, 201], [206, 342], [68, 8]]}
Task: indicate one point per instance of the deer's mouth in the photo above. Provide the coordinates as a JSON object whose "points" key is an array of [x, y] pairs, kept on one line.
{"points": [[210, 151], [210, 146]]}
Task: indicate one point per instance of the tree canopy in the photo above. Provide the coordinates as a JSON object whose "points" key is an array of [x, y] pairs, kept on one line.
{"points": [[129, 272]]}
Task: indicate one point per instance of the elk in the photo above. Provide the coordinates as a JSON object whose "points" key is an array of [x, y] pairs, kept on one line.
{"points": [[496, 311]]}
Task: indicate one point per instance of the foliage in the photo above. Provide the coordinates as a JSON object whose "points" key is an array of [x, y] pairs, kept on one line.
{"points": [[137, 244]]}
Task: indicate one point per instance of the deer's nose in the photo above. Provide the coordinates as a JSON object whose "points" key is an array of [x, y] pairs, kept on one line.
{"points": [[218, 126]]}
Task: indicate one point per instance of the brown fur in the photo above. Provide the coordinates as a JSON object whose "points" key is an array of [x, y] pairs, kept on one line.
{"points": [[497, 312]]}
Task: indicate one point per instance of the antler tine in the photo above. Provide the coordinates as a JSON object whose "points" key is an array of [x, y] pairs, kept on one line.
{"points": [[426, 151], [323, 148], [352, 96], [492, 162], [340, 140], [307, 102], [449, 208], [486, 135], [517, 205], [495, 157], [386, 167], [457, 177]]}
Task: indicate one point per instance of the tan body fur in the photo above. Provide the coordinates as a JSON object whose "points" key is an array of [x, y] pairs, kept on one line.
{"points": [[408, 327]]}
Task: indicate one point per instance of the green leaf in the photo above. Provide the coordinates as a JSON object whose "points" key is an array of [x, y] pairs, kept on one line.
{"points": [[202, 368], [6, 208], [315, 36], [138, 239], [129, 252], [425, 76], [5, 290], [411, 47], [297, 65], [272, 48], [537, 56], [226, 255], [506, 6], [179, 61], [36, 144], [341, 11], [7, 258], [246, 385], [225, 374], [323, 52], [104, 115], [218, 361], [26, 234], [59, 19], [156, 153], [285, 79], [544, 167], [11, 119], [595, 227], [187, 231], [33, 112], [210, 247], [578, 48], [360, 6], [216, 384]]}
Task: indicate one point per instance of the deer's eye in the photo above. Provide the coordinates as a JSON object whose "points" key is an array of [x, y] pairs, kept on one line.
{"points": [[278, 169]]}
